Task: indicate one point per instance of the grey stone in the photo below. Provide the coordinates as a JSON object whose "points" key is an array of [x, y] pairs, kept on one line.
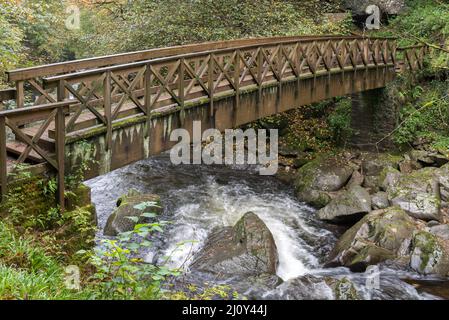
{"points": [[318, 178], [247, 249], [358, 7], [349, 205], [417, 193], [379, 200], [430, 254]]}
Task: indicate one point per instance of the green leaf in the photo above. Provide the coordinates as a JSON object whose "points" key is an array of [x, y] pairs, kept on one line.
{"points": [[133, 219]]}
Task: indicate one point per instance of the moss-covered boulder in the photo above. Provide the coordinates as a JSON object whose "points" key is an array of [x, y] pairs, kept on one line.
{"points": [[349, 206], [380, 235], [119, 221], [373, 164], [316, 180], [417, 193], [246, 249], [430, 254]]}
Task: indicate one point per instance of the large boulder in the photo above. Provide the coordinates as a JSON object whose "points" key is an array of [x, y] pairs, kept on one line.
{"points": [[358, 7], [316, 180], [246, 249], [443, 179], [119, 221], [309, 287], [373, 164], [418, 193], [430, 254], [380, 235], [349, 206]]}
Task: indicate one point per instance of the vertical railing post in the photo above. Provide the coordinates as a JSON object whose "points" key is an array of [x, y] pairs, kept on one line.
{"points": [[181, 90], [60, 155], [3, 159], [236, 85], [108, 109], [148, 81], [20, 97], [260, 67], [211, 86]]}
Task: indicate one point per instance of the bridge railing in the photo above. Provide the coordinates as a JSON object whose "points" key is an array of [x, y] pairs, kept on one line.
{"points": [[45, 115], [412, 57], [69, 100]]}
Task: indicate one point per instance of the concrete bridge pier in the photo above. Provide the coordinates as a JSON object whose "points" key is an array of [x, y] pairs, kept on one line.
{"points": [[373, 117]]}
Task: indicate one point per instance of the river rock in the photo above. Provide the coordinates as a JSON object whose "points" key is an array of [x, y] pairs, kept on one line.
{"points": [[356, 179], [380, 235], [430, 254], [317, 179], [374, 163], [443, 179], [246, 249], [119, 222], [441, 231], [348, 206], [309, 287], [358, 7], [408, 166], [417, 193], [427, 158], [379, 200]]}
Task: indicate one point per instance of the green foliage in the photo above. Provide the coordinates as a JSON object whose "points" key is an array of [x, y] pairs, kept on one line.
{"points": [[340, 121], [173, 22], [423, 111], [120, 272]]}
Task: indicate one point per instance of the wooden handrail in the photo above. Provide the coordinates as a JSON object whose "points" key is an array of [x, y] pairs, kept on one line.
{"points": [[98, 62]]}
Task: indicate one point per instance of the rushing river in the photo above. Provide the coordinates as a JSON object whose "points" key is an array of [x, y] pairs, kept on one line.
{"points": [[198, 198]]}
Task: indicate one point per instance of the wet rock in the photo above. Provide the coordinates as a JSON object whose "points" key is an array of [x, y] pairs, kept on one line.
{"points": [[380, 235], [350, 205], [317, 179], [358, 7], [311, 287], [430, 254], [417, 193], [119, 221], [379, 200], [246, 249]]}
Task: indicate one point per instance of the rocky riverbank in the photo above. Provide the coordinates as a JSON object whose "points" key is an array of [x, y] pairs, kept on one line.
{"points": [[395, 207]]}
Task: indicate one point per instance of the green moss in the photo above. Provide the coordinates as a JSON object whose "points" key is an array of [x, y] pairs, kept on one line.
{"points": [[429, 247]]}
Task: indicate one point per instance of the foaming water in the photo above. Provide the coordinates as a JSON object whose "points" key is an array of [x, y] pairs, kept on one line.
{"points": [[198, 199]]}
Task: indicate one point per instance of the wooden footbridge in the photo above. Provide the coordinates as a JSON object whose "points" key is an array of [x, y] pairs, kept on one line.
{"points": [[126, 105]]}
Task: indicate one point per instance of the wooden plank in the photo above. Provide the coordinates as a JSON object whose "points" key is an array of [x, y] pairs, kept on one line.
{"points": [[17, 148]]}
